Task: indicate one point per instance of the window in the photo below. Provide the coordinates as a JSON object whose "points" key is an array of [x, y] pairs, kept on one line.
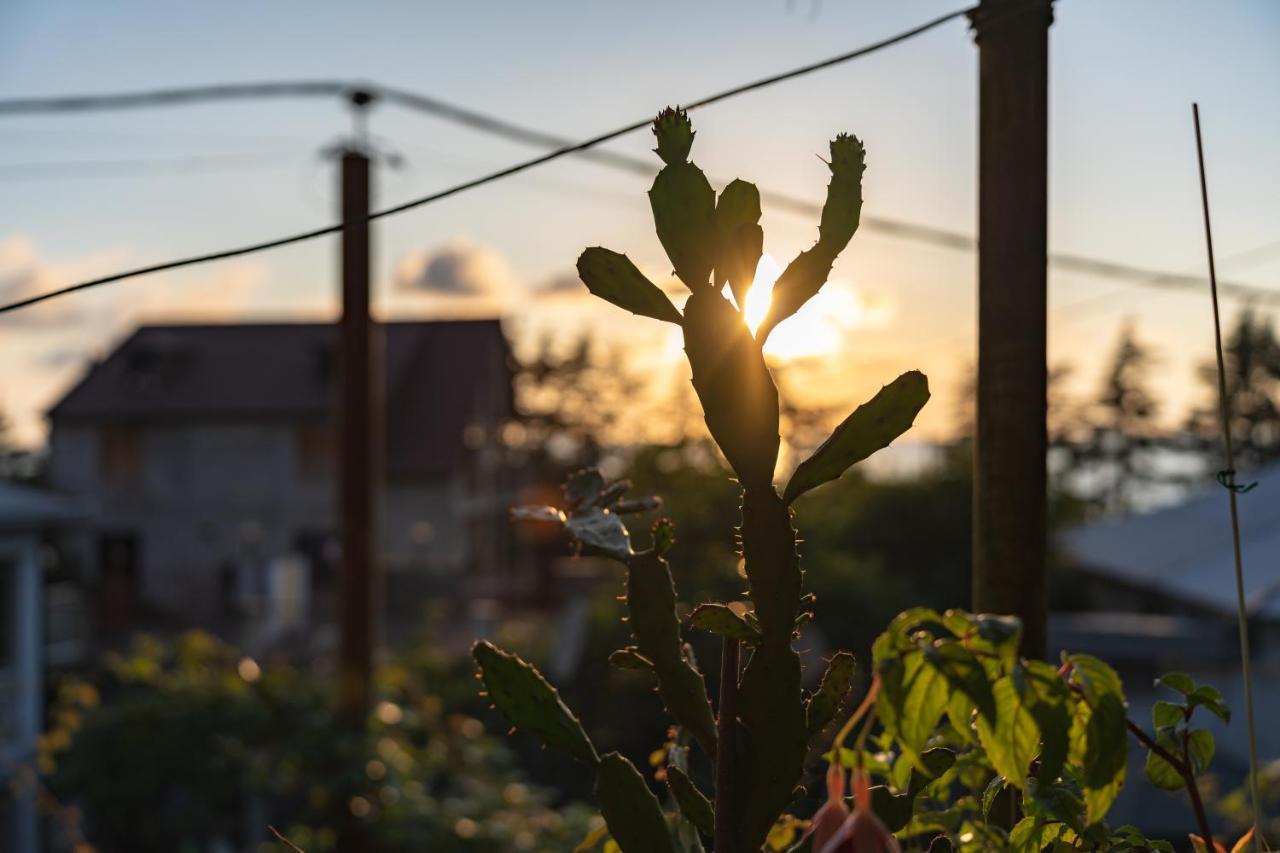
{"points": [[121, 453], [313, 450]]}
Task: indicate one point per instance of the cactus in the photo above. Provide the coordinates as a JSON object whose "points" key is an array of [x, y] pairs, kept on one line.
{"points": [[766, 722]]}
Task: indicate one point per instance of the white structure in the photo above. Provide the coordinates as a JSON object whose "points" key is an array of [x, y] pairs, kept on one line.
{"points": [[26, 516]]}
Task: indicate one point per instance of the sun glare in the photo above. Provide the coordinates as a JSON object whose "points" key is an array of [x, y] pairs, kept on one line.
{"points": [[817, 329]]}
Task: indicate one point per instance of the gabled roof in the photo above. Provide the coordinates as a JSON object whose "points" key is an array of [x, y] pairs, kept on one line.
{"points": [[440, 376], [1185, 551]]}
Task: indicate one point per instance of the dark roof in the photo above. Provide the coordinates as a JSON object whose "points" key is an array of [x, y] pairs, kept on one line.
{"points": [[436, 378]]}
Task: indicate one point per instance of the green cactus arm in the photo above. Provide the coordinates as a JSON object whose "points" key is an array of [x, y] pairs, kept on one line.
{"points": [[651, 603], [825, 701], [739, 399], [674, 133], [631, 811], [615, 278], [602, 530], [684, 209], [722, 620], [740, 238], [693, 804], [525, 698], [771, 562], [870, 427], [841, 213]]}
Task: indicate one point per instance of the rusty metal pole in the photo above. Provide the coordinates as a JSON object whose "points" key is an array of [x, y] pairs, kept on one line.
{"points": [[359, 405], [1010, 481]]}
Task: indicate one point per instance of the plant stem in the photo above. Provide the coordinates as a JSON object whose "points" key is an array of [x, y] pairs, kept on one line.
{"points": [[726, 731]]}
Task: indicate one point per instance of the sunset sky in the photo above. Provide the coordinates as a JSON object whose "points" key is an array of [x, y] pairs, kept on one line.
{"points": [[86, 194]]}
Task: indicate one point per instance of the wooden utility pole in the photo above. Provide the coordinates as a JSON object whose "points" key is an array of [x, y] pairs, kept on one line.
{"points": [[1010, 482], [359, 456]]}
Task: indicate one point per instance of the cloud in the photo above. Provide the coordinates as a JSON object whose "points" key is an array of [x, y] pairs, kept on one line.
{"points": [[457, 270], [565, 284], [24, 273]]}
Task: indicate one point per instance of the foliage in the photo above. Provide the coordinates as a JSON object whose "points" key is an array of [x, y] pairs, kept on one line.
{"points": [[1251, 357], [759, 743], [186, 746]]}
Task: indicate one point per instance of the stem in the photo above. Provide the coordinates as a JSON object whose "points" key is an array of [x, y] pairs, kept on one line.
{"points": [[1193, 790], [726, 731]]}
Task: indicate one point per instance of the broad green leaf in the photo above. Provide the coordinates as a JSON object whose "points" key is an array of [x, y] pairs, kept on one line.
{"points": [[965, 673], [1159, 772], [1095, 678], [895, 809], [1200, 747], [1106, 750], [872, 426], [1051, 709], [721, 619], [898, 637], [1014, 740], [1211, 700], [1032, 835], [1179, 681], [532, 705], [1088, 739], [684, 211], [651, 603], [693, 804], [630, 809], [926, 699], [1166, 714], [960, 713], [829, 696], [614, 278]]}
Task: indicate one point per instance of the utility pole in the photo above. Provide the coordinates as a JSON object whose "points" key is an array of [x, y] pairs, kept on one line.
{"points": [[1010, 482]]}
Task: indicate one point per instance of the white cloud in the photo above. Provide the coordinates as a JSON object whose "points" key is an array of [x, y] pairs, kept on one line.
{"points": [[457, 270]]}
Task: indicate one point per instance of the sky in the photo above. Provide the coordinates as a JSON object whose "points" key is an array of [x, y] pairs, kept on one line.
{"points": [[84, 195]]}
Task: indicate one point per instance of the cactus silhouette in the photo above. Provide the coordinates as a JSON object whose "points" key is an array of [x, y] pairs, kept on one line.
{"points": [[766, 722]]}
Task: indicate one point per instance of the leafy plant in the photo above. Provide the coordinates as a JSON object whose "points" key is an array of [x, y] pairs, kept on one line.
{"points": [[761, 735]]}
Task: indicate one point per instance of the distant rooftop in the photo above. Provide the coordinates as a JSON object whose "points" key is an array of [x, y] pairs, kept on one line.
{"points": [[1185, 552], [435, 378]]}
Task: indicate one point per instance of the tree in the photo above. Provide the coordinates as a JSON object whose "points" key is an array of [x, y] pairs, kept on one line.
{"points": [[1251, 357], [1111, 448]]}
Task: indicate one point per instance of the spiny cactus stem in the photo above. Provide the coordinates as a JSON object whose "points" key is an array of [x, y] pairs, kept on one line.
{"points": [[726, 732]]}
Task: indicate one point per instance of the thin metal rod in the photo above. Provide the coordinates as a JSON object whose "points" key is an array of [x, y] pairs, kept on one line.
{"points": [[1225, 410]]}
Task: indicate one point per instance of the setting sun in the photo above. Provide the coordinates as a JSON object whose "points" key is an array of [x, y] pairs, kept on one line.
{"points": [[817, 329]]}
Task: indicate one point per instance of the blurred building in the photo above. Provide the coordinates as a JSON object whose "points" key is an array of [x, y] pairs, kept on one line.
{"points": [[205, 455], [1157, 594], [27, 519]]}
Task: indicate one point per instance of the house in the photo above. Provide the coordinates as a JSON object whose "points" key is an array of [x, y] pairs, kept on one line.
{"points": [[1158, 594], [204, 456], [27, 517]]}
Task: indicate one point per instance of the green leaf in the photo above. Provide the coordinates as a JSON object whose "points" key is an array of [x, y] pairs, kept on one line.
{"points": [[829, 696], [525, 698], [872, 426], [722, 620], [965, 673], [926, 697], [1095, 678], [1051, 710], [741, 240], [804, 276], [693, 804], [684, 211], [602, 530], [1159, 772], [614, 278], [584, 488], [630, 809], [739, 399], [651, 603], [1014, 740], [1031, 835], [1179, 681], [1166, 714], [960, 713], [1210, 699], [1200, 747], [1106, 750]]}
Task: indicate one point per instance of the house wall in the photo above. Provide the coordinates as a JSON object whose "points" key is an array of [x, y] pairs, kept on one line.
{"points": [[200, 497], [21, 688]]}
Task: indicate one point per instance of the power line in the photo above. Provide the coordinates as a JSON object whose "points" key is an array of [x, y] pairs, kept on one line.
{"points": [[175, 96], [129, 167]]}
